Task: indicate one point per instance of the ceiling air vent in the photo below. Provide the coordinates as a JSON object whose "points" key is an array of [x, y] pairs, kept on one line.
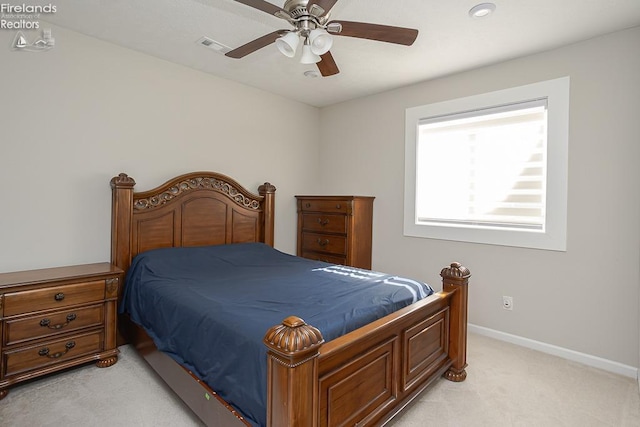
{"points": [[213, 45]]}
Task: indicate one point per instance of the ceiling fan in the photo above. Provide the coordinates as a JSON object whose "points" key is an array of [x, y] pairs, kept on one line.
{"points": [[310, 19]]}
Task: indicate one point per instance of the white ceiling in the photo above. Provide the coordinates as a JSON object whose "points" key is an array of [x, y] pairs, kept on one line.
{"points": [[449, 40]]}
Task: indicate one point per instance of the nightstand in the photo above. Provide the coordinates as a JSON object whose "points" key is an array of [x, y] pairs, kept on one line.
{"points": [[56, 318]]}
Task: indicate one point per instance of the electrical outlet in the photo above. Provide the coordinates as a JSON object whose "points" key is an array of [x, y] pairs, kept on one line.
{"points": [[507, 303]]}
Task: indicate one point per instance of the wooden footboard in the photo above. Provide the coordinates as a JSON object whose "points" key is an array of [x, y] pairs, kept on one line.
{"points": [[369, 375]]}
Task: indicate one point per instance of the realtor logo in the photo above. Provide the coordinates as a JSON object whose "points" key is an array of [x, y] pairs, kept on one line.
{"points": [[23, 16], [45, 42]]}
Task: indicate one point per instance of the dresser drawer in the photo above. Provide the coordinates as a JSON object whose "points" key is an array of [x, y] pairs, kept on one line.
{"points": [[329, 206], [331, 259], [324, 243], [53, 297], [324, 223], [52, 352], [44, 325]]}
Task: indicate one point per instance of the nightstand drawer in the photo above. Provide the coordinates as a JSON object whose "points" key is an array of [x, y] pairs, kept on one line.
{"points": [[324, 223], [44, 325], [329, 206], [324, 243], [331, 259], [52, 352], [53, 297]]}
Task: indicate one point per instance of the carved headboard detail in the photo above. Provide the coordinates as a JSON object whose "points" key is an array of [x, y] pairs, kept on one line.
{"points": [[195, 209]]}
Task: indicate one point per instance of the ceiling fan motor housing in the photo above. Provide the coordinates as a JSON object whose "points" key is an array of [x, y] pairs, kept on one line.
{"points": [[298, 8]]}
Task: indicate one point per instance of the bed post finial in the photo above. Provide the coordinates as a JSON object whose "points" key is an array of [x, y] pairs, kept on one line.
{"points": [[121, 218], [122, 180], [292, 365], [268, 191], [455, 278]]}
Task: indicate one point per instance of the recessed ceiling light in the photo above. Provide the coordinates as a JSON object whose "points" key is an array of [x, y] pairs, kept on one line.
{"points": [[311, 74], [481, 10]]}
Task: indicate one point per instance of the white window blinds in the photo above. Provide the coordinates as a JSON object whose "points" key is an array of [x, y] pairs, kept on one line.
{"points": [[499, 156]]}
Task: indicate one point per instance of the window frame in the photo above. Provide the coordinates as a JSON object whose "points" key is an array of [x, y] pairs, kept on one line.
{"points": [[554, 235]]}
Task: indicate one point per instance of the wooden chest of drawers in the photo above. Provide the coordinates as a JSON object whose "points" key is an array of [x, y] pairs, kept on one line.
{"points": [[55, 318], [336, 229]]}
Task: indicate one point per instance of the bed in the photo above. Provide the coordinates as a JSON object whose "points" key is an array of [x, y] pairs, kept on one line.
{"points": [[364, 377]]}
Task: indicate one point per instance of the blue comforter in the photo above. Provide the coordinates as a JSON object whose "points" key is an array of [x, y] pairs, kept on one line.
{"points": [[209, 308]]}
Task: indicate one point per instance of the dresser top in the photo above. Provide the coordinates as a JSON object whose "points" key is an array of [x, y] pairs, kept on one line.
{"points": [[335, 197], [46, 275]]}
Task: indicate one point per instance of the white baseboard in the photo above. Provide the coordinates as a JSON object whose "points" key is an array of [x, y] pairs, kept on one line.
{"points": [[575, 356]]}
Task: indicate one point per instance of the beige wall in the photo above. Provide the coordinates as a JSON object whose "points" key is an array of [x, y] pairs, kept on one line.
{"points": [[76, 115], [584, 299]]}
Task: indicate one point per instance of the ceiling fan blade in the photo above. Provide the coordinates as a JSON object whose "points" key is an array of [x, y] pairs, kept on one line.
{"points": [[326, 6], [327, 65], [254, 45], [383, 33]]}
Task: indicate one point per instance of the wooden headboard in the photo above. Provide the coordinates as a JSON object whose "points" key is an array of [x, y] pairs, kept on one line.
{"points": [[195, 209]]}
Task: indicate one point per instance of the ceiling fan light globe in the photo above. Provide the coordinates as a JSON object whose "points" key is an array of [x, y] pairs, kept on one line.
{"points": [[321, 41], [308, 57], [288, 44]]}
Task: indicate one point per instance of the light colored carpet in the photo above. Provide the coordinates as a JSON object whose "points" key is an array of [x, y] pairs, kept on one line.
{"points": [[506, 385]]}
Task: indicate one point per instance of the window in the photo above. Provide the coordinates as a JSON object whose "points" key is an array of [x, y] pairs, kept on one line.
{"points": [[490, 168]]}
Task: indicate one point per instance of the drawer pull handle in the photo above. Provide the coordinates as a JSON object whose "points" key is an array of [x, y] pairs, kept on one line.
{"points": [[47, 322], [323, 222], [338, 206], [323, 243], [59, 296], [307, 205], [45, 351]]}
